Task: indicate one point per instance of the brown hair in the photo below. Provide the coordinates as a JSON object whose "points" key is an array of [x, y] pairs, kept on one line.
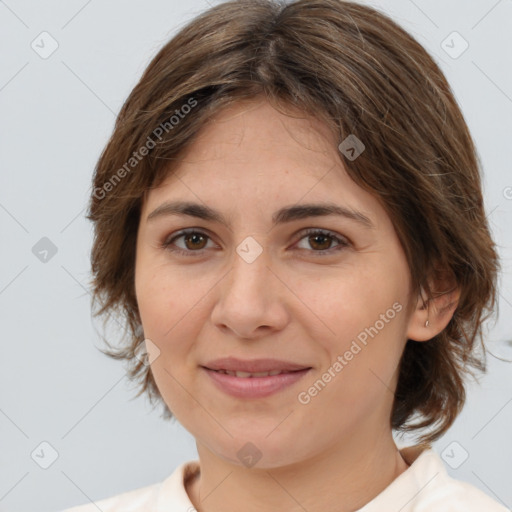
{"points": [[358, 71]]}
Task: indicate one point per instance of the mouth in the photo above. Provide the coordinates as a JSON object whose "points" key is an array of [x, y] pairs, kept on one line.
{"points": [[246, 375], [254, 366], [254, 379]]}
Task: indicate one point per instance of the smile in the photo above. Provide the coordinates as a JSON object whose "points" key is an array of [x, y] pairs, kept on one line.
{"points": [[255, 374], [247, 385]]}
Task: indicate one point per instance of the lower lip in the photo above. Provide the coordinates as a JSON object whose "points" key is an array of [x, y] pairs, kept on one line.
{"points": [[254, 387]]}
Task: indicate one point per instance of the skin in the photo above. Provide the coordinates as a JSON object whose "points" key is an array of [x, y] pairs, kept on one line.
{"points": [[335, 452]]}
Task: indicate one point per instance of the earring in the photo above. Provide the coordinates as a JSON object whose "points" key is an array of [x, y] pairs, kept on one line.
{"points": [[425, 306]]}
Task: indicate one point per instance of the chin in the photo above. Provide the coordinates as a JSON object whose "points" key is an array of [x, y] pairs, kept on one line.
{"points": [[259, 451]]}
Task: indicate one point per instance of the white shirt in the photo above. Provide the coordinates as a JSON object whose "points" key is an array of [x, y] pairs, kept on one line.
{"points": [[424, 486]]}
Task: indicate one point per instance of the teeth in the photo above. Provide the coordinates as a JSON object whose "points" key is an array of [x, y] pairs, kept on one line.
{"points": [[245, 375], [242, 374]]}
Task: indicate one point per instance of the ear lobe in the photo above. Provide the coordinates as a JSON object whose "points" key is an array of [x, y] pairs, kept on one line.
{"points": [[432, 315]]}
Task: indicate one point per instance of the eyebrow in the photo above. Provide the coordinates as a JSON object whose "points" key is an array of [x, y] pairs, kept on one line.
{"points": [[284, 215]]}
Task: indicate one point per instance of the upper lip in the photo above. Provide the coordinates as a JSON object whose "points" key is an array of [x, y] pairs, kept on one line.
{"points": [[253, 365]]}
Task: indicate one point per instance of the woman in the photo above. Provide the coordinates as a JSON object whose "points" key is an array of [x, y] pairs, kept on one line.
{"points": [[289, 215]]}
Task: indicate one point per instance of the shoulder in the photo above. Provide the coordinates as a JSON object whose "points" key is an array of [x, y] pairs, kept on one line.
{"points": [[451, 495], [130, 501], [158, 496], [437, 491]]}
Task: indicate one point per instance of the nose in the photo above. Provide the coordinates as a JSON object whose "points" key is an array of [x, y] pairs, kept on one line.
{"points": [[251, 300]]}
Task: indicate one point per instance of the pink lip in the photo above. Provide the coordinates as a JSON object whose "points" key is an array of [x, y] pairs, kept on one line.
{"points": [[254, 387]]}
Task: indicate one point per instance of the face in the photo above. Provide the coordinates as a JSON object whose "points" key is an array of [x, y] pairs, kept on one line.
{"points": [[323, 296]]}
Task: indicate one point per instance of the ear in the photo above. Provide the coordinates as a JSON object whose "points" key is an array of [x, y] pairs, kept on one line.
{"points": [[438, 309]]}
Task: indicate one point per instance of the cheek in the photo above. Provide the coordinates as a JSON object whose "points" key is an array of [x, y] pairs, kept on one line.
{"points": [[170, 322], [161, 293], [350, 299], [171, 310], [361, 315], [151, 299]]}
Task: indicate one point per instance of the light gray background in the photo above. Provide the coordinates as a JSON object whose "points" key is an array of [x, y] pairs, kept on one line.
{"points": [[56, 116]]}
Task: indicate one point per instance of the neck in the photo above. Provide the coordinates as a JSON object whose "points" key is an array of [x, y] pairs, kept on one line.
{"points": [[343, 478]]}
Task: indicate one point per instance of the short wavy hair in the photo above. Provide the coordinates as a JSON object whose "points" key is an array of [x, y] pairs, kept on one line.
{"points": [[355, 69]]}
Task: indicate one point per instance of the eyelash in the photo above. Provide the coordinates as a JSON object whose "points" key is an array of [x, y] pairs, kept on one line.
{"points": [[342, 242]]}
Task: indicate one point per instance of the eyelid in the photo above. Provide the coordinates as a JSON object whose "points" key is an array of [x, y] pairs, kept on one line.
{"points": [[342, 241], [169, 240]]}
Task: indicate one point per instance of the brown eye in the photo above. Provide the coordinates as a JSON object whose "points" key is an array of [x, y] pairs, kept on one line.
{"points": [[194, 242], [321, 241]]}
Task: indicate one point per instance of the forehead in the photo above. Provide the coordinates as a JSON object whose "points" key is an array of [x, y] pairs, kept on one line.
{"points": [[250, 155], [251, 143], [255, 128]]}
